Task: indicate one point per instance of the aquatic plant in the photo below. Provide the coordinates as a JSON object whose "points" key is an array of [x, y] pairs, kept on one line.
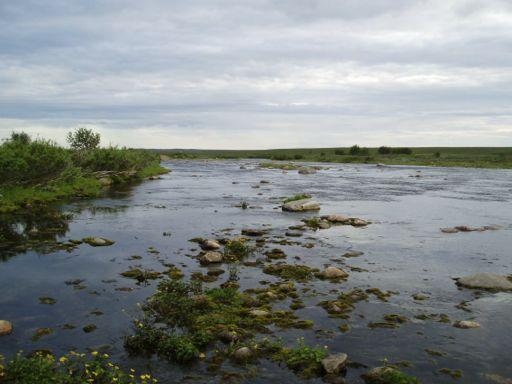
{"points": [[291, 271], [303, 359], [300, 196], [235, 250]]}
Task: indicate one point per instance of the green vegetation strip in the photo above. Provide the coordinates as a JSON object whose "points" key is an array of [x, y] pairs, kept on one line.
{"points": [[36, 173]]}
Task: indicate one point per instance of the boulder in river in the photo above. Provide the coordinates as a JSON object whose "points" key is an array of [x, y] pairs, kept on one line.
{"points": [[353, 254], [334, 273], [490, 281], [212, 257], [335, 363], [301, 206], [98, 241], [337, 219], [210, 245], [466, 324], [242, 354], [253, 232], [307, 171], [5, 327]]}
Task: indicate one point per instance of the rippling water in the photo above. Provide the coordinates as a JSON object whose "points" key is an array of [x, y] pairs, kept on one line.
{"points": [[404, 251]]}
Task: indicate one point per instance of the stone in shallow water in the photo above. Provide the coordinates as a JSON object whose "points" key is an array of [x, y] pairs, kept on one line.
{"points": [[353, 253], [212, 257], [259, 312], [490, 281], [339, 219], [301, 206], [466, 324], [335, 363], [98, 241], [5, 327], [334, 273], [210, 245]]}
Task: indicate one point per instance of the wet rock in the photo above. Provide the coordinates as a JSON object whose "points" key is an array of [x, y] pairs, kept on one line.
{"points": [[307, 171], [242, 354], [264, 182], [334, 273], [498, 379], [301, 206], [89, 328], [5, 327], [98, 241], [353, 254], [212, 257], [210, 245], [489, 281], [449, 230], [356, 222], [466, 324], [259, 312], [324, 224], [253, 232], [386, 375], [420, 297], [293, 234], [336, 363], [228, 337], [337, 219]]}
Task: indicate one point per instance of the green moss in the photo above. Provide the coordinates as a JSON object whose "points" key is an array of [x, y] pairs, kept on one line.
{"points": [[303, 359], [283, 166], [291, 271], [344, 304], [388, 375], [47, 300], [300, 196], [236, 250], [381, 295], [454, 373], [141, 275], [40, 332]]}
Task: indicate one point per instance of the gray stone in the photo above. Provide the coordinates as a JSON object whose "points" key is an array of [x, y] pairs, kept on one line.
{"points": [[353, 254], [301, 206], [334, 273], [335, 363], [337, 219], [490, 281], [211, 257], [98, 241], [259, 312], [466, 324], [210, 245], [307, 171]]}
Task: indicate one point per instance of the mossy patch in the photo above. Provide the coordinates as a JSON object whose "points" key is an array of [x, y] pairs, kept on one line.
{"points": [[291, 271]]}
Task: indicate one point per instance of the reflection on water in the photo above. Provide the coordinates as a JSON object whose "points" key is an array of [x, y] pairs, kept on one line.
{"points": [[404, 252]]}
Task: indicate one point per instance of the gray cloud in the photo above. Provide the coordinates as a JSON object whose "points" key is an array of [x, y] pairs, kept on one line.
{"points": [[259, 73]]}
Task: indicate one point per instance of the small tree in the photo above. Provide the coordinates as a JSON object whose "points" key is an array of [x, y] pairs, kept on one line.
{"points": [[384, 150], [20, 138], [83, 139]]}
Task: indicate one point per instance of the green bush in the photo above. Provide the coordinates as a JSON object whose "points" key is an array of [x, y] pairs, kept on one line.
{"points": [[114, 159], [339, 152], [23, 161], [401, 151], [384, 150], [356, 150], [83, 139]]}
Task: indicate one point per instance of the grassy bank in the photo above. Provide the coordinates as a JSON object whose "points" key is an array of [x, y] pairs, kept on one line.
{"points": [[477, 157], [35, 173]]}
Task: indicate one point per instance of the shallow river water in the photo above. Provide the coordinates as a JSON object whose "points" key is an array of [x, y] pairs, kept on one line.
{"points": [[404, 251]]}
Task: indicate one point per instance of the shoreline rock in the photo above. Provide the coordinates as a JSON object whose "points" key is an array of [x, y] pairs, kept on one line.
{"points": [[489, 281], [301, 206]]}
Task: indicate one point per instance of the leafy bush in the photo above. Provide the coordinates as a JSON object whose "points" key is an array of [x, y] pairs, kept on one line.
{"points": [[402, 151], [83, 139], [298, 157], [23, 161], [339, 152], [356, 150], [114, 159], [384, 150]]}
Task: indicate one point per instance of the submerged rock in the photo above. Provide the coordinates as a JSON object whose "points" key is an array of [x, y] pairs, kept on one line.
{"points": [[253, 232], [489, 281], [259, 312], [307, 171], [242, 354], [98, 241], [466, 324], [353, 254], [335, 363], [334, 273], [5, 327], [301, 206], [212, 257]]}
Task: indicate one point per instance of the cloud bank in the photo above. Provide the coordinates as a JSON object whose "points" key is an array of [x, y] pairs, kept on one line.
{"points": [[259, 74]]}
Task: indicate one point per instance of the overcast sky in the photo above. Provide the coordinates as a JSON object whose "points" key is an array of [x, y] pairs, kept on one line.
{"points": [[259, 74]]}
